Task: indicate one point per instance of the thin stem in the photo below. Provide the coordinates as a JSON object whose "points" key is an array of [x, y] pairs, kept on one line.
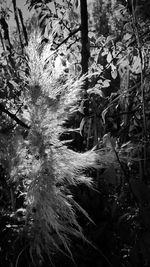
{"points": [[13, 116], [2, 41], [67, 38], [23, 27], [17, 22], [85, 54]]}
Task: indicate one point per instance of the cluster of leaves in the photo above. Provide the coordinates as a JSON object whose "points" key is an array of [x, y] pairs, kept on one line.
{"points": [[60, 19], [123, 111]]}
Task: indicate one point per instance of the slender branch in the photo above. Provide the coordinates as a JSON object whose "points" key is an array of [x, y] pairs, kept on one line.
{"points": [[55, 7], [2, 42], [23, 27], [4, 26], [85, 54], [67, 38], [76, 40], [69, 30], [17, 23], [3, 46], [13, 116]]}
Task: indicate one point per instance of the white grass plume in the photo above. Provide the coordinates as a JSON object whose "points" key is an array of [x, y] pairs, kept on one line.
{"points": [[46, 165]]}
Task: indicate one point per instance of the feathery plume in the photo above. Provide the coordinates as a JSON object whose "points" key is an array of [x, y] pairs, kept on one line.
{"points": [[46, 165]]}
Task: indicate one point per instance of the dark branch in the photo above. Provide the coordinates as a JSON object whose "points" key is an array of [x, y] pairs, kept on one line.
{"points": [[17, 22], [23, 27], [67, 38], [85, 52], [84, 37], [14, 117]]}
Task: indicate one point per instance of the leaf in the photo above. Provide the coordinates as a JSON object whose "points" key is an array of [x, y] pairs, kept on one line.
{"points": [[13, 83], [136, 66], [109, 39], [91, 35], [104, 114], [81, 107], [95, 91], [109, 57], [82, 125], [56, 27], [128, 27], [113, 67], [106, 83], [114, 74], [127, 36], [47, 30]]}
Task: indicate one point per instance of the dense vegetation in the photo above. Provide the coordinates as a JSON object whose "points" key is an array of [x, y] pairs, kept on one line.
{"points": [[75, 134]]}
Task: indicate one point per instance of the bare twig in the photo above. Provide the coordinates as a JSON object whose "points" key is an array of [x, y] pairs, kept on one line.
{"points": [[67, 38], [17, 23], [23, 27], [14, 117], [2, 42], [85, 53]]}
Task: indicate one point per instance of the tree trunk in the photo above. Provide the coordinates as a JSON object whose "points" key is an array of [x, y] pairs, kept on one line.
{"points": [[84, 39], [23, 27], [17, 22]]}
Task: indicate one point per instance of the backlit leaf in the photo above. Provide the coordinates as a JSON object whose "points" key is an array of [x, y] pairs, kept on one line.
{"points": [[114, 74], [109, 57]]}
